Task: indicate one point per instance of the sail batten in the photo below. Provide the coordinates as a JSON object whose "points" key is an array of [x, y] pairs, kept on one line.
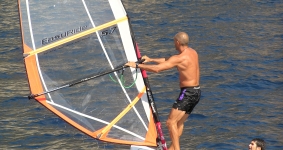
{"points": [[74, 37], [87, 40]]}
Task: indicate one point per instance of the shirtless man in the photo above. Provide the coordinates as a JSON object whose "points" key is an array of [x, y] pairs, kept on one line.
{"points": [[188, 66]]}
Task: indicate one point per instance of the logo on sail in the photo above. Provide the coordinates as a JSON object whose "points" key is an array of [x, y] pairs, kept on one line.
{"points": [[62, 35]]}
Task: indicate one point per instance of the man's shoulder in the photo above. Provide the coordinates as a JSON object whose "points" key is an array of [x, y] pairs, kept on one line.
{"points": [[191, 49]]}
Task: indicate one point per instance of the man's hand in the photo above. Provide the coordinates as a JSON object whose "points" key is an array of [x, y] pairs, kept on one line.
{"points": [[146, 59], [131, 64]]}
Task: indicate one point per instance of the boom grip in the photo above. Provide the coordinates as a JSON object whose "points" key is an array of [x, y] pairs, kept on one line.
{"points": [[140, 61]]}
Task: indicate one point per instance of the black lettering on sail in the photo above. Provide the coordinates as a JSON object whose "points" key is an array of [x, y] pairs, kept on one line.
{"points": [[46, 41]]}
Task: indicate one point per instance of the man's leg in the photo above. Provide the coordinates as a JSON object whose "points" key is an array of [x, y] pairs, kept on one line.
{"points": [[180, 124], [175, 117]]}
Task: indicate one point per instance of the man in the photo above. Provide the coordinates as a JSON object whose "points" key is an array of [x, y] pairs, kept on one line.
{"points": [[257, 144], [188, 66]]}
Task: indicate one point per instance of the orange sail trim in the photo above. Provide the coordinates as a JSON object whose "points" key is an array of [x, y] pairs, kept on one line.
{"points": [[152, 133], [33, 74]]}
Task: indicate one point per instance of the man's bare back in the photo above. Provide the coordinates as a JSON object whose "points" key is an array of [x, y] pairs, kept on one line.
{"points": [[188, 68]]}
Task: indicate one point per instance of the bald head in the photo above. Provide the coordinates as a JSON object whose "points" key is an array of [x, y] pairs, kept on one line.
{"points": [[182, 38]]}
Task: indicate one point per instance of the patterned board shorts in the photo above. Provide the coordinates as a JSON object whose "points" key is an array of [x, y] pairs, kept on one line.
{"points": [[188, 99]]}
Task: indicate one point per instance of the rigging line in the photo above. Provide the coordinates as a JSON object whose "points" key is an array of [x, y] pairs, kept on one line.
{"points": [[95, 119], [74, 37], [32, 96], [128, 108], [123, 80], [33, 45]]}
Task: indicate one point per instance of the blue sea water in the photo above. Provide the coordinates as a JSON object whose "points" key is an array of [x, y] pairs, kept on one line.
{"points": [[241, 57]]}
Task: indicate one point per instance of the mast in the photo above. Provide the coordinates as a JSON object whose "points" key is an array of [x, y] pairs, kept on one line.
{"points": [[152, 104]]}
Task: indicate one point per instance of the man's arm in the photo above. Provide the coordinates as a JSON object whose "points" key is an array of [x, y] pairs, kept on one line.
{"points": [[165, 65], [156, 60]]}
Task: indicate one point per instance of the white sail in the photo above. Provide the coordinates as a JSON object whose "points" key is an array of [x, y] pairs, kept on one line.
{"points": [[74, 53]]}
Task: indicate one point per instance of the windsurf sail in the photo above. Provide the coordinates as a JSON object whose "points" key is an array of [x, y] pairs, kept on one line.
{"points": [[74, 52]]}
